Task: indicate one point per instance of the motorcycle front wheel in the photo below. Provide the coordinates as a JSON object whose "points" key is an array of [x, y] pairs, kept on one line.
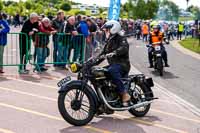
{"points": [[75, 111], [160, 66]]}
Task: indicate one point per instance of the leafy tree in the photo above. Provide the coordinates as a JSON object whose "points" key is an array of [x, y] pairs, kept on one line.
{"points": [[65, 6], [140, 9], [28, 4], [7, 3], [1, 5], [11, 10], [195, 10], [171, 6], [101, 10], [152, 9], [80, 12]]}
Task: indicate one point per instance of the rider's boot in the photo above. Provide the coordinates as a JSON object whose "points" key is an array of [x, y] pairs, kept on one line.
{"points": [[151, 65], [166, 64], [125, 98]]}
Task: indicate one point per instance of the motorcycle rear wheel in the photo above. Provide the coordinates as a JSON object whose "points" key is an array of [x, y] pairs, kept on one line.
{"points": [[141, 113]]}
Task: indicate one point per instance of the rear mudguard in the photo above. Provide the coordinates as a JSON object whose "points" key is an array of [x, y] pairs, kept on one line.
{"points": [[141, 79], [80, 83]]}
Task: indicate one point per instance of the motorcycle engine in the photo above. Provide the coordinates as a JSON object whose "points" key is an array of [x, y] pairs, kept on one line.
{"points": [[110, 91]]}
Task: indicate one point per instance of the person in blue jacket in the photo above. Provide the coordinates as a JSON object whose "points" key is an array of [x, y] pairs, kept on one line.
{"points": [[83, 29], [4, 29]]}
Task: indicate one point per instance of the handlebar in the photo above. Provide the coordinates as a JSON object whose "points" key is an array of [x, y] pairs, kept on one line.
{"points": [[156, 43]]}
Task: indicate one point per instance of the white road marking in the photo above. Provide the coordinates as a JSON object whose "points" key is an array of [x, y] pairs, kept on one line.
{"points": [[54, 100], [5, 130], [49, 117], [28, 82]]}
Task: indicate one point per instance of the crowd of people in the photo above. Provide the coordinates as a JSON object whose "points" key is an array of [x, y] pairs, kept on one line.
{"points": [[71, 32], [170, 29], [66, 33]]}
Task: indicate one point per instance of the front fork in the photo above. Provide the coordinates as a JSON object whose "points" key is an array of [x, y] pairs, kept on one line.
{"points": [[79, 93]]}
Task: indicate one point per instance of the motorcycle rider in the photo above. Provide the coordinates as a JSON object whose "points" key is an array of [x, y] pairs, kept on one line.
{"points": [[155, 37], [117, 51]]}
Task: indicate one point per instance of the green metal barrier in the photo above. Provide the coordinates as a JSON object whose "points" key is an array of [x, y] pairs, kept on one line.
{"points": [[12, 55], [59, 49]]}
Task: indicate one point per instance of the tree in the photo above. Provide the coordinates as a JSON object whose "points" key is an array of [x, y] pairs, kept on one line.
{"points": [[101, 10], [152, 9], [171, 6], [65, 6], [1, 5], [28, 4], [194, 10], [80, 12], [139, 9]]}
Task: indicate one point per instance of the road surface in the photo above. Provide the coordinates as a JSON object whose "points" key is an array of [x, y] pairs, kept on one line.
{"points": [[28, 103], [181, 78]]}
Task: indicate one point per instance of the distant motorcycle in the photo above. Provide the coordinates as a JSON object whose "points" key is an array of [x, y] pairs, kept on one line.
{"points": [[166, 38], [138, 34], [157, 57], [93, 93]]}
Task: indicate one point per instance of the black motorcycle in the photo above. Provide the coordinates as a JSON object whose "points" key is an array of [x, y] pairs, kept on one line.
{"points": [[138, 34], [93, 93], [166, 38], [157, 57]]}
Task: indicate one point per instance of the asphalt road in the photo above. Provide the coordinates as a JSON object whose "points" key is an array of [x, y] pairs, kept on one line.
{"points": [[28, 104], [181, 78]]}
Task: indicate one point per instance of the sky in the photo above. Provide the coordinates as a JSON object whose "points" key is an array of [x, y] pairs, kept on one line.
{"points": [[181, 3]]}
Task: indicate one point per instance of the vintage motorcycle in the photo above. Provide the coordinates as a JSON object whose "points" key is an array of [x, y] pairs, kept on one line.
{"points": [[157, 57], [93, 93]]}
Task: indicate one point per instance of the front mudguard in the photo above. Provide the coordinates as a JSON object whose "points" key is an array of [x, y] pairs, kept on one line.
{"points": [[80, 83]]}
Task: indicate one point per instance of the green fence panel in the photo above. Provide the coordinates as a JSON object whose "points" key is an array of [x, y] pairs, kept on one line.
{"points": [[59, 49], [12, 54]]}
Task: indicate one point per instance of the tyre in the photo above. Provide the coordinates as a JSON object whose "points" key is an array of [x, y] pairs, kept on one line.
{"points": [[160, 66], [144, 93], [76, 112]]}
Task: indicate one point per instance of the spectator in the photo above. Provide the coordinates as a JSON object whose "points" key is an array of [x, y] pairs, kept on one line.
{"points": [[145, 31], [91, 45], [42, 41], [78, 20], [82, 28], [57, 24], [4, 29], [29, 28], [17, 20], [171, 32], [70, 40], [180, 31]]}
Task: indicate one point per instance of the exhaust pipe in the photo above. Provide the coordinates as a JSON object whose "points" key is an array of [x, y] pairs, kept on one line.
{"points": [[142, 104]]}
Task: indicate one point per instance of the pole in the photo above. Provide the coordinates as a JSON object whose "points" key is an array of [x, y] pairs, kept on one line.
{"points": [[187, 2]]}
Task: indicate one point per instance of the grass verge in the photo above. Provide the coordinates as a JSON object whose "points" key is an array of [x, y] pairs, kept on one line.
{"points": [[191, 44]]}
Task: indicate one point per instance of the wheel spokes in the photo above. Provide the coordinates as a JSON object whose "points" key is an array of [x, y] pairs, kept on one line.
{"points": [[81, 113]]}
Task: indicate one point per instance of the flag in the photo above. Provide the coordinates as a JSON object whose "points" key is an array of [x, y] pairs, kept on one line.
{"points": [[114, 10]]}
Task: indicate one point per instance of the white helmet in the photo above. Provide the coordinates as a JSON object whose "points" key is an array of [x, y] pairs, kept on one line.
{"points": [[113, 25]]}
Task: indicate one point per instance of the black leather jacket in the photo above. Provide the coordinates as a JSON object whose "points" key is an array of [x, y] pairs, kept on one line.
{"points": [[118, 45]]}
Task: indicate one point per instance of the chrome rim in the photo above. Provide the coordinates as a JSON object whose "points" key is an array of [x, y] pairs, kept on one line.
{"points": [[76, 108]]}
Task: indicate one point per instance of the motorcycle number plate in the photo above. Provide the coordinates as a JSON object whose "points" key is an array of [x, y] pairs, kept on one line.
{"points": [[157, 48], [63, 81]]}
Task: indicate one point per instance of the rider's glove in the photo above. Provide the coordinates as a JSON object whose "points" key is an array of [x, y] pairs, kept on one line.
{"points": [[148, 45], [110, 54]]}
